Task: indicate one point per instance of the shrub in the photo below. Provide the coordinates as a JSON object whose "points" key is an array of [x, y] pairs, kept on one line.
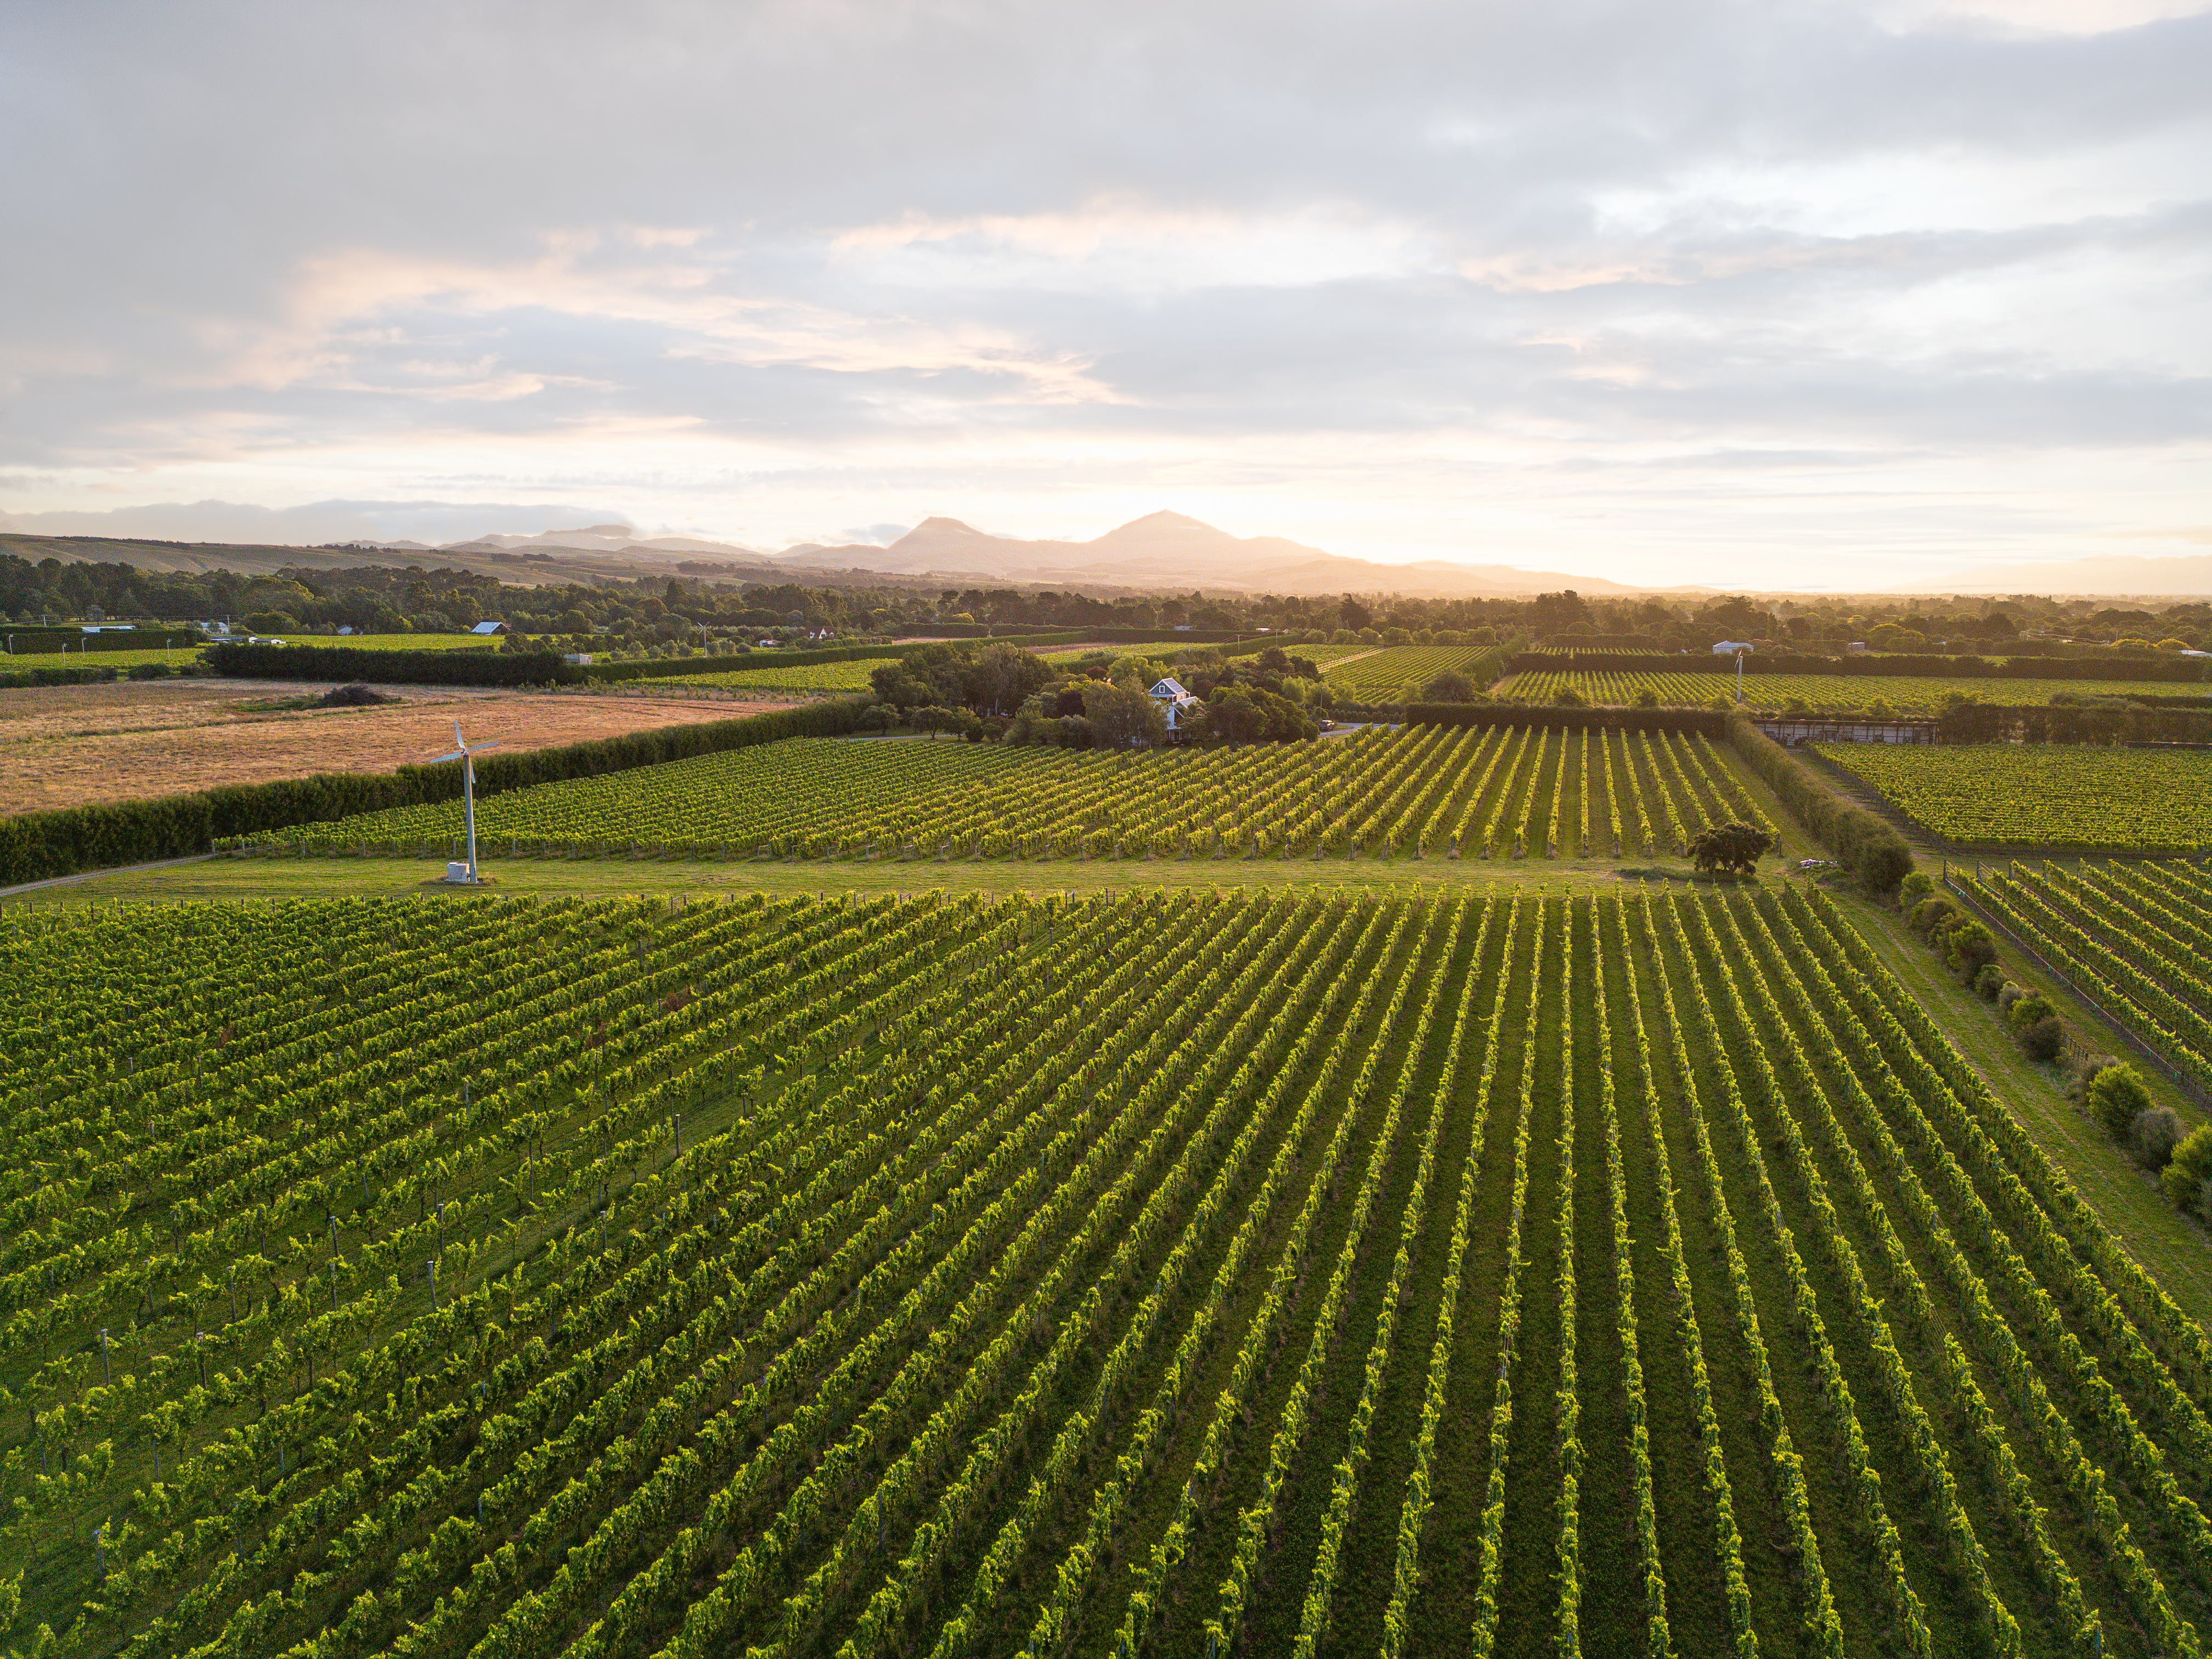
{"points": [[2188, 1172], [1972, 949], [2087, 1071], [1989, 982], [150, 670], [2045, 1039], [2153, 1135], [2007, 994], [1647, 698], [1917, 885], [2028, 1009], [1932, 914], [2117, 1098], [354, 696], [2187, 1190]]}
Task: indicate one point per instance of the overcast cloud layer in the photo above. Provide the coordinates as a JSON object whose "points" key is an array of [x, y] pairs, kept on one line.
{"points": [[1772, 293]]}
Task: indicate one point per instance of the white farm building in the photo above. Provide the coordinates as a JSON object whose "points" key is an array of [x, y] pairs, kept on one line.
{"points": [[1174, 700]]}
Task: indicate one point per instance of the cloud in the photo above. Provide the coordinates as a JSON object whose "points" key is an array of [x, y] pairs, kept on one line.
{"points": [[309, 525], [1528, 281]]}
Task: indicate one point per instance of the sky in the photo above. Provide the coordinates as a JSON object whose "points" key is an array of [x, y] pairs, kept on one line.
{"points": [[1771, 293]]}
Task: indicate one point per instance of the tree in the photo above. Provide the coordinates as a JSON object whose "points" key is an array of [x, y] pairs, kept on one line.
{"points": [[1001, 675], [1733, 847], [1737, 618], [1554, 613], [1249, 714], [1122, 719], [895, 684], [934, 718], [1450, 686]]}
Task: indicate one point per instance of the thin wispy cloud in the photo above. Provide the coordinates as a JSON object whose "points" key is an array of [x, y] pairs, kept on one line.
{"points": [[1663, 292]]}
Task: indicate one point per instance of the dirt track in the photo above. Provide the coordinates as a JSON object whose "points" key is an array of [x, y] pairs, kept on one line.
{"points": [[66, 745]]}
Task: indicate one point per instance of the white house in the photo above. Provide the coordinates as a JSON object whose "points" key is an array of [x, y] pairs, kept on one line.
{"points": [[1174, 699], [1730, 647], [488, 628]]}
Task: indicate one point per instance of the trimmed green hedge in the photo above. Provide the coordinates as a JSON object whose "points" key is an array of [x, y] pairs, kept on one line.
{"points": [[350, 663], [2190, 722], [519, 668], [61, 843], [1869, 845], [103, 675], [15, 682]]}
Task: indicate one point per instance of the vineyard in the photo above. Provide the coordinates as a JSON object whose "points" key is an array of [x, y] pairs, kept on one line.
{"points": [[176, 656], [1397, 673], [823, 677], [2056, 795], [1155, 650], [853, 675], [1825, 693], [1428, 790], [2135, 938], [1493, 1275], [181, 653]]}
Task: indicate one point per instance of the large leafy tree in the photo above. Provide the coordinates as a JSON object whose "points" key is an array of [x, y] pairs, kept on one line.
{"points": [[1731, 847]]}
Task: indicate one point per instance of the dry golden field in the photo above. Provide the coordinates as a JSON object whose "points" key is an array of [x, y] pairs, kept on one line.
{"points": [[65, 745]]}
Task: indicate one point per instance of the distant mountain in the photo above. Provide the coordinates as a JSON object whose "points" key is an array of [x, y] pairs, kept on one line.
{"points": [[1160, 550], [2187, 575], [1168, 550], [595, 538]]}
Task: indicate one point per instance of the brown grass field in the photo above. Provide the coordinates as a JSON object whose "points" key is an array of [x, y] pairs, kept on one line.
{"points": [[66, 745]]}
